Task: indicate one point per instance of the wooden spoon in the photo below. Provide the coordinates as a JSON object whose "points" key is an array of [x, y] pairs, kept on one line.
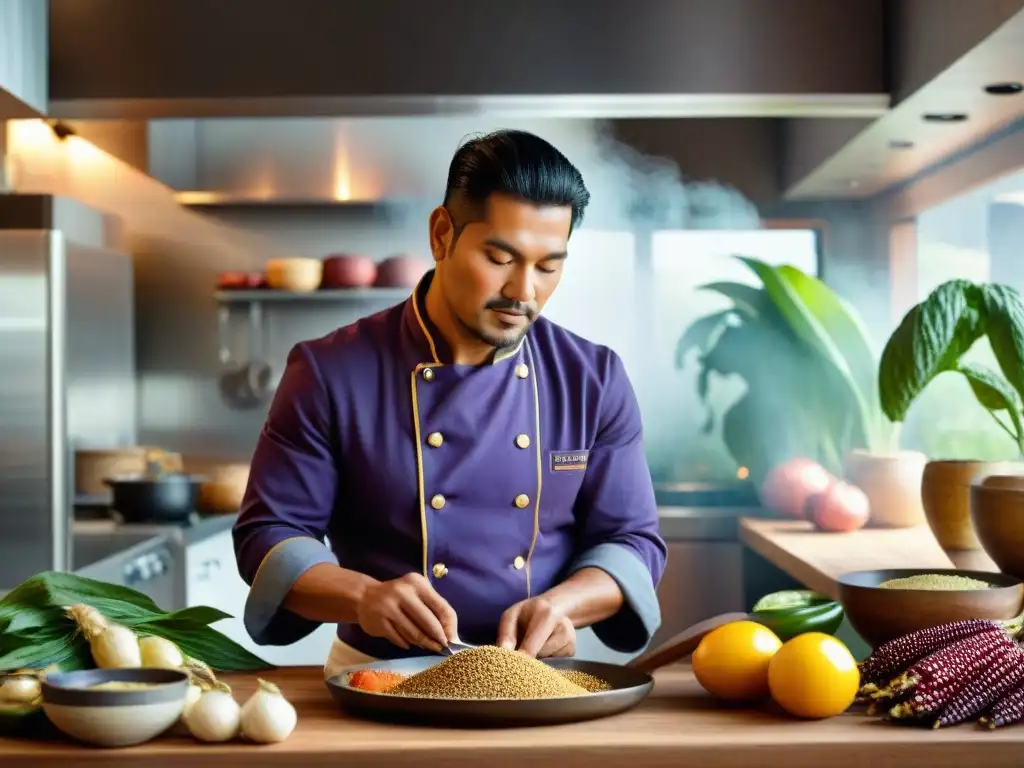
{"points": [[683, 644]]}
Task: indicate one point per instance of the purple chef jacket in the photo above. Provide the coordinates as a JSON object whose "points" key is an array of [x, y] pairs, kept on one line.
{"points": [[496, 482]]}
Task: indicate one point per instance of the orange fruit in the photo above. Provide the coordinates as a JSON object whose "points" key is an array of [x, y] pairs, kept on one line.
{"points": [[814, 675], [731, 662]]}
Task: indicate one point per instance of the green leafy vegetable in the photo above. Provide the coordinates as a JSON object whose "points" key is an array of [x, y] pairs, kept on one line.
{"points": [[935, 335], [36, 631]]}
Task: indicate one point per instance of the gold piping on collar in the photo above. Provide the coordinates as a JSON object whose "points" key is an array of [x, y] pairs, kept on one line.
{"points": [[540, 472], [499, 355]]}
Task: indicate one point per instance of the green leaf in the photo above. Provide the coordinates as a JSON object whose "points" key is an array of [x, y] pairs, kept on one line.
{"points": [[992, 391], [807, 327], [30, 620], [748, 300], [60, 589], [794, 406], [36, 654], [196, 616], [841, 322], [995, 394], [701, 334], [1004, 325], [930, 339], [221, 653]]}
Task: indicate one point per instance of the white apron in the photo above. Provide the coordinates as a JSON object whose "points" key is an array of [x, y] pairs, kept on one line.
{"points": [[343, 655]]}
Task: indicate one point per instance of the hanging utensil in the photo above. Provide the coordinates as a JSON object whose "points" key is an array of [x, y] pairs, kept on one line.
{"points": [[257, 369], [234, 381]]}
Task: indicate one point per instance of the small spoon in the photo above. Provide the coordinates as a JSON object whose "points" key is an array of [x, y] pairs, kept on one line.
{"points": [[456, 645]]}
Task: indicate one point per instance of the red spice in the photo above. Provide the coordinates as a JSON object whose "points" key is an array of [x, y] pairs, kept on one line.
{"points": [[374, 681]]}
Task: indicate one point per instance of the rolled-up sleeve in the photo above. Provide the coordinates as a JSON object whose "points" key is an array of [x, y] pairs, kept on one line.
{"points": [[281, 529], [618, 516]]}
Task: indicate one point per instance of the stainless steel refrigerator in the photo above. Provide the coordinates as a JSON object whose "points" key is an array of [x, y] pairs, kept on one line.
{"points": [[67, 368]]}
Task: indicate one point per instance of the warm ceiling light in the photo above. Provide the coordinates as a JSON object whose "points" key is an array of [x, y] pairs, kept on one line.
{"points": [[945, 117], [900, 144], [1004, 89]]}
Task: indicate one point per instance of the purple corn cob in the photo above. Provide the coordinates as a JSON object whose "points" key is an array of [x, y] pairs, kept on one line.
{"points": [[1007, 710], [934, 679], [1001, 673], [898, 654]]}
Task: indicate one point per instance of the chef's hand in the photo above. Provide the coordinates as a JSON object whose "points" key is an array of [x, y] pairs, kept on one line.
{"points": [[408, 612], [538, 628]]}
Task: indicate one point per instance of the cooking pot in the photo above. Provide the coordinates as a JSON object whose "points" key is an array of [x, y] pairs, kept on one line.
{"points": [[169, 498]]}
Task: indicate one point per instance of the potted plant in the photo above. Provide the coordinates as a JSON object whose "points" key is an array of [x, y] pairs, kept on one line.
{"points": [[811, 406], [933, 338]]}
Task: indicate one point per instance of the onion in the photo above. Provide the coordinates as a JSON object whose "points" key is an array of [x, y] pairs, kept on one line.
{"points": [[789, 485], [840, 508]]}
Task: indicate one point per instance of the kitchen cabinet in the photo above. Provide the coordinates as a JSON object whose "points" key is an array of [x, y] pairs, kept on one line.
{"points": [[211, 578]]}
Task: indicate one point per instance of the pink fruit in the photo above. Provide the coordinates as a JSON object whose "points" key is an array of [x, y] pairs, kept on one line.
{"points": [[840, 508], [348, 271], [789, 485], [401, 271]]}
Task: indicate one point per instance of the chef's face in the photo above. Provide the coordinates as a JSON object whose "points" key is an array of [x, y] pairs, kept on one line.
{"points": [[497, 274]]}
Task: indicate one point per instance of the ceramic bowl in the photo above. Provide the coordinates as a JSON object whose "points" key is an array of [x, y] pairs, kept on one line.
{"points": [[114, 718], [300, 275], [879, 615], [997, 513]]}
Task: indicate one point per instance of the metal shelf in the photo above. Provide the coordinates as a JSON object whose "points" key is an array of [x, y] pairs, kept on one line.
{"points": [[324, 294], [213, 200]]}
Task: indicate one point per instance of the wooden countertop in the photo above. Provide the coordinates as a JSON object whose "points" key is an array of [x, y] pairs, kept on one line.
{"points": [[679, 724], [815, 558]]}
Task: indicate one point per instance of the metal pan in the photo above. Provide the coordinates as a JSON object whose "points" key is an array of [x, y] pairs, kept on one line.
{"points": [[629, 687]]}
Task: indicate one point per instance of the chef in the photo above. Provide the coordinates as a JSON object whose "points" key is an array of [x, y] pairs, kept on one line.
{"points": [[457, 466]]}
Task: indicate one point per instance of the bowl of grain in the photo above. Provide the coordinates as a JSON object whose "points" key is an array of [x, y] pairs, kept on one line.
{"points": [[885, 604]]}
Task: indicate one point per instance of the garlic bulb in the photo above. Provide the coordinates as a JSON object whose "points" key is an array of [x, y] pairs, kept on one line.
{"points": [[19, 689], [160, 653], [192, 695], [268, 717], [112, 646], [214, 717]]}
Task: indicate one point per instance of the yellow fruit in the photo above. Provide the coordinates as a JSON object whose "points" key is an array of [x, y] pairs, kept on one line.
{"points": [[814, 676], [731, 662]]}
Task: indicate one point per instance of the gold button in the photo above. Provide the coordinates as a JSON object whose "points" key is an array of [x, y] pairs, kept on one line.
{"points": [[428, 374], [438, 501], [435, 439], [522, 500], [523, 441], [522, 370], [440, 570], [518, 563]]}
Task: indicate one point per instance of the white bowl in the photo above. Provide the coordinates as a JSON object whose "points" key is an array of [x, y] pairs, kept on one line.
{"points": [[114, 718]]}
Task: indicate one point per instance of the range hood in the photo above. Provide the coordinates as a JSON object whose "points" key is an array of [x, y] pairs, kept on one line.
{"points": [[533, 58]]}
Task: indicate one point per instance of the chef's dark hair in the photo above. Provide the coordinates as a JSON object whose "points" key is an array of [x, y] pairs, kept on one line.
{"points": [[515, 163]]}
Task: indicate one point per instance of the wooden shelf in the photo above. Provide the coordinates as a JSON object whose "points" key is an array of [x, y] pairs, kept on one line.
{"points": [[341, 294]]}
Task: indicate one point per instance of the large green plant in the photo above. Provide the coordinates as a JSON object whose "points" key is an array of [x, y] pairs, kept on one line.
{"points": [[935, 335], [808, 364]]}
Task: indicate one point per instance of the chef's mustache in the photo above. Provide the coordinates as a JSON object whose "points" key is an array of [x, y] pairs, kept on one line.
{"points": [[516, 307]]}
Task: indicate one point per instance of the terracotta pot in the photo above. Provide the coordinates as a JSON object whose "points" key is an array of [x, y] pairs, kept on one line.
{"points": [[892, 483], [946, 495], [997, 512]]}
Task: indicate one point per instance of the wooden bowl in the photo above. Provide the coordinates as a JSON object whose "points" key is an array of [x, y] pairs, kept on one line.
{"points": [[879, 615], [946, 493], [997, 512]]}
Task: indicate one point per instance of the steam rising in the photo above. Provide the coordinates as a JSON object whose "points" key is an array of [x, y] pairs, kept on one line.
{"points": [[632, 190]]}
